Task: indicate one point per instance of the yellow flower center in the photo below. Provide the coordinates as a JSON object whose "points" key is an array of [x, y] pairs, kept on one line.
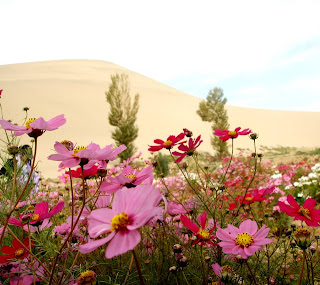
{"points": [[226, 271], [302, 232], [119, 222], [205, 234], [168, 142], [77, 149], [244, 240], [29, 122], [248, 198], [87, 277], [35, 217], [304, 212], [19, 252], [67, 144], [131, 176], [30, 208], [232, 133]]}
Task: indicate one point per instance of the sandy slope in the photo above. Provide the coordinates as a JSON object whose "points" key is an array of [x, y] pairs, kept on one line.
{"points": [[77, 88]]}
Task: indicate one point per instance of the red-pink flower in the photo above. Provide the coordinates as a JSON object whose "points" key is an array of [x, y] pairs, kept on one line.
{"points": [[132, 208], [86, 172], [224, 135], [168, 144], [187, 149], [204, 237], [17, 251], [34, 127], [245, 240], [129, 178], [1, 92], [306, 213]]}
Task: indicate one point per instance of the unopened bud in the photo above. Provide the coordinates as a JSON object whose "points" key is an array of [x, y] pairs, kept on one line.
{"points": [[177, 248]]}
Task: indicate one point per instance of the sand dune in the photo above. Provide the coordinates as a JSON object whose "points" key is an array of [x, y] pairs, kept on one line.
{"points": [[77, 89]]}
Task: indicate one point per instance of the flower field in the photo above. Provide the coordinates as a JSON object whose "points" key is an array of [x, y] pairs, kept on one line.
{"points": [[241, 219]]}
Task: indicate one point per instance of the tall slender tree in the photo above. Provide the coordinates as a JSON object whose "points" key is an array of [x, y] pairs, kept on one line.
{"points": [[213, 110], [123, 114]]}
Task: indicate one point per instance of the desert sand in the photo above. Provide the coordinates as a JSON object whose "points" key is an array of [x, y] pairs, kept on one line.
{"points": [[77, 89]]}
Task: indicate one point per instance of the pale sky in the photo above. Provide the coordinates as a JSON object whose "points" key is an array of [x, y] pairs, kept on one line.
{"points": [[263, 54]]}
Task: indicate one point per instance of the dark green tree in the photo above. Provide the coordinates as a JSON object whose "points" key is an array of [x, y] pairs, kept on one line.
{"points": [[213, 110], [123, 114]]}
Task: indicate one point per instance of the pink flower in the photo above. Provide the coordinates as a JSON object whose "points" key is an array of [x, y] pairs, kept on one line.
{"points": [[34, 127], [224, 135], [71, 158], [245, 240], [132, 208], [306, 213], [177, 209], [129, 178], [24, 280], [168, 144], [187, 149], [1, 92], [103, 155]]}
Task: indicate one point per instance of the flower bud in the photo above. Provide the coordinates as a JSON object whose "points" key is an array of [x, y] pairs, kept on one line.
{"points": [[177, 248], [182, 260], [253, 136], [173, 269]]}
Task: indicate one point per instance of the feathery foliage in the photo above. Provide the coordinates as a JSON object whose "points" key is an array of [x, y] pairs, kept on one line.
{"points": [[123, 114], [213, 110]]}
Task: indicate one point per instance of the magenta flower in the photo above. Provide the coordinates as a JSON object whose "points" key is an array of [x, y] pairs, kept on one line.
{"points": [[204, 236], [187, 149], [168, 144], [34, 127], [40, 213], [129, 178], [224, 135], [306, 213], [245, 240], [132, 208]]}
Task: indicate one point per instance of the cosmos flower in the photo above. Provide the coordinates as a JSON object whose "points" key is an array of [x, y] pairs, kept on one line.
{"points": [[306, 213], [34, 127], [224, 135], [187, 149], [132, 208], [40, 213], [71, 158], [245, 240], [168, 144], [203, 236], [129, 178], [17, 251], [103, 155]]}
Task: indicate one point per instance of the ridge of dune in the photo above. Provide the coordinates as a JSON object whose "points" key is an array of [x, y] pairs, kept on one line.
{"points": [[77, 89]]}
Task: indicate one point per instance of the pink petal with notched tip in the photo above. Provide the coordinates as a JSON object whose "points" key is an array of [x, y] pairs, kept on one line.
{"points": [[248, 226]]}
